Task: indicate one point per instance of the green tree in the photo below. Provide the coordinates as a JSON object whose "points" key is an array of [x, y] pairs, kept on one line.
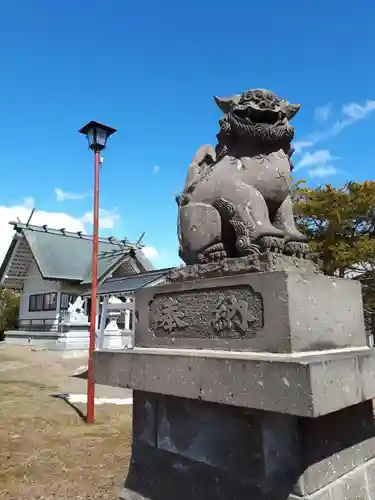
{"points": [[340, 225], [9, 309], [297, 188]]}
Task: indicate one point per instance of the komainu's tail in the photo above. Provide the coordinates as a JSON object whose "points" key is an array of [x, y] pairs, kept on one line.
{"points": [[203, 158]]}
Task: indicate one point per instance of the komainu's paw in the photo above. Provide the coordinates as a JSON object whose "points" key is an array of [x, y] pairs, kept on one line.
{"points": [[271, 244], [214, 253], [297, 249], [245, 246]]}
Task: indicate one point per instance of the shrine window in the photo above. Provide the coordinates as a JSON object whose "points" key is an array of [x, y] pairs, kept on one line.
{"points": [[49, 301], [36, 302], [65, 298]]}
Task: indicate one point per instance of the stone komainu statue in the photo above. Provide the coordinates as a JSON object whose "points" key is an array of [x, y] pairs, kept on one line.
{"points": [[236, 200]]}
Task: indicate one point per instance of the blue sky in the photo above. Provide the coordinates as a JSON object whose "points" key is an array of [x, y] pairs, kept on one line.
{"points": [[150, 68]]}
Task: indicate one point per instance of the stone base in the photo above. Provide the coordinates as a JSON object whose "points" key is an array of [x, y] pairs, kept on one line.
{"points": [[305, 385], [117, 340], [263, 262], [75, 334], [248, 386], [271, 311], [189, 449], [55, 341]]}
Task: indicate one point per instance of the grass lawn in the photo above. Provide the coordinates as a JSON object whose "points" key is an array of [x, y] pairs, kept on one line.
{"points": [[46, 450]]}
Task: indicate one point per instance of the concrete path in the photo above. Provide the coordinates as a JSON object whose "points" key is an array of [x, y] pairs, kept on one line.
{"points": [[51, 368]]}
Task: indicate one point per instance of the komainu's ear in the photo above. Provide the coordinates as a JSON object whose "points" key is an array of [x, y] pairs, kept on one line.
{"points": [[227, 103], [291, 110]]}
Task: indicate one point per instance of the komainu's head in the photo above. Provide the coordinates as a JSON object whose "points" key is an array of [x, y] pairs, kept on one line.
{"points": [[258, 113]]}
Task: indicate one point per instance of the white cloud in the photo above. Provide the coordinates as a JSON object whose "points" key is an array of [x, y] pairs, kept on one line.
{"points": [[151, 253], [351, 113], [13, 213], [107, 218], [155, 169], [64, 195], [321, 156], [29, 202], [356, 112], [322, 113], [301, 145], [323, 171]]}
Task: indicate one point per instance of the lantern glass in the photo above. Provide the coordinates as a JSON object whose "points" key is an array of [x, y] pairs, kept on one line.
{"points": [[91, 136], [101, 137]]}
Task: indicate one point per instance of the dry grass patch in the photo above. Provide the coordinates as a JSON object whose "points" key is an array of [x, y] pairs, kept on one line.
{"points": [[47, 451]]}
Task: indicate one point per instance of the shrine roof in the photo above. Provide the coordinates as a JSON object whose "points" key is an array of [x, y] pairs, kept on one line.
{"points": [[65, 255], [127, 284]]}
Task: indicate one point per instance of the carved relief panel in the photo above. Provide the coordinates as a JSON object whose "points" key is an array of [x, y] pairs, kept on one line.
{"points": [[221, 313]]}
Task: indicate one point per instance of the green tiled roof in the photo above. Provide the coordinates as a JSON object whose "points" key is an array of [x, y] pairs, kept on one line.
{"points": [[67, 256], [130, 283], [108, 261]]}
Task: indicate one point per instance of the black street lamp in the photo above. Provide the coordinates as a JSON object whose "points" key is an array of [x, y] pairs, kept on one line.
{"points": [[97, 134]]}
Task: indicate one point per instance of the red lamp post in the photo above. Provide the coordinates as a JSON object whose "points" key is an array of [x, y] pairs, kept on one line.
{"points": [[97, 135]]}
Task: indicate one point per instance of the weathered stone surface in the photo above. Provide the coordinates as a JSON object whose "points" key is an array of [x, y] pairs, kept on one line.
{"points": [[275, 312], [304, 385], [352, 487], [190, 449], [262, 262], [236, 200], [334, 445], [214, 450], [370, 477]]}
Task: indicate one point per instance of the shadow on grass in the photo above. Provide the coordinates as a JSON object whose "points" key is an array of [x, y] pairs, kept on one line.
{"points": [[64, 397]]}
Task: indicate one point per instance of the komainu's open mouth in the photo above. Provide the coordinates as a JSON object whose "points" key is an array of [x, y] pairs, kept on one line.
{"points": [[252, 114]]}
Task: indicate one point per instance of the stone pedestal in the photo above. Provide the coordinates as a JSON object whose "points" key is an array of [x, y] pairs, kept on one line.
{"points": [[121, 339], [198, 450], [74, 335], [112, 338], [255, 386]]}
